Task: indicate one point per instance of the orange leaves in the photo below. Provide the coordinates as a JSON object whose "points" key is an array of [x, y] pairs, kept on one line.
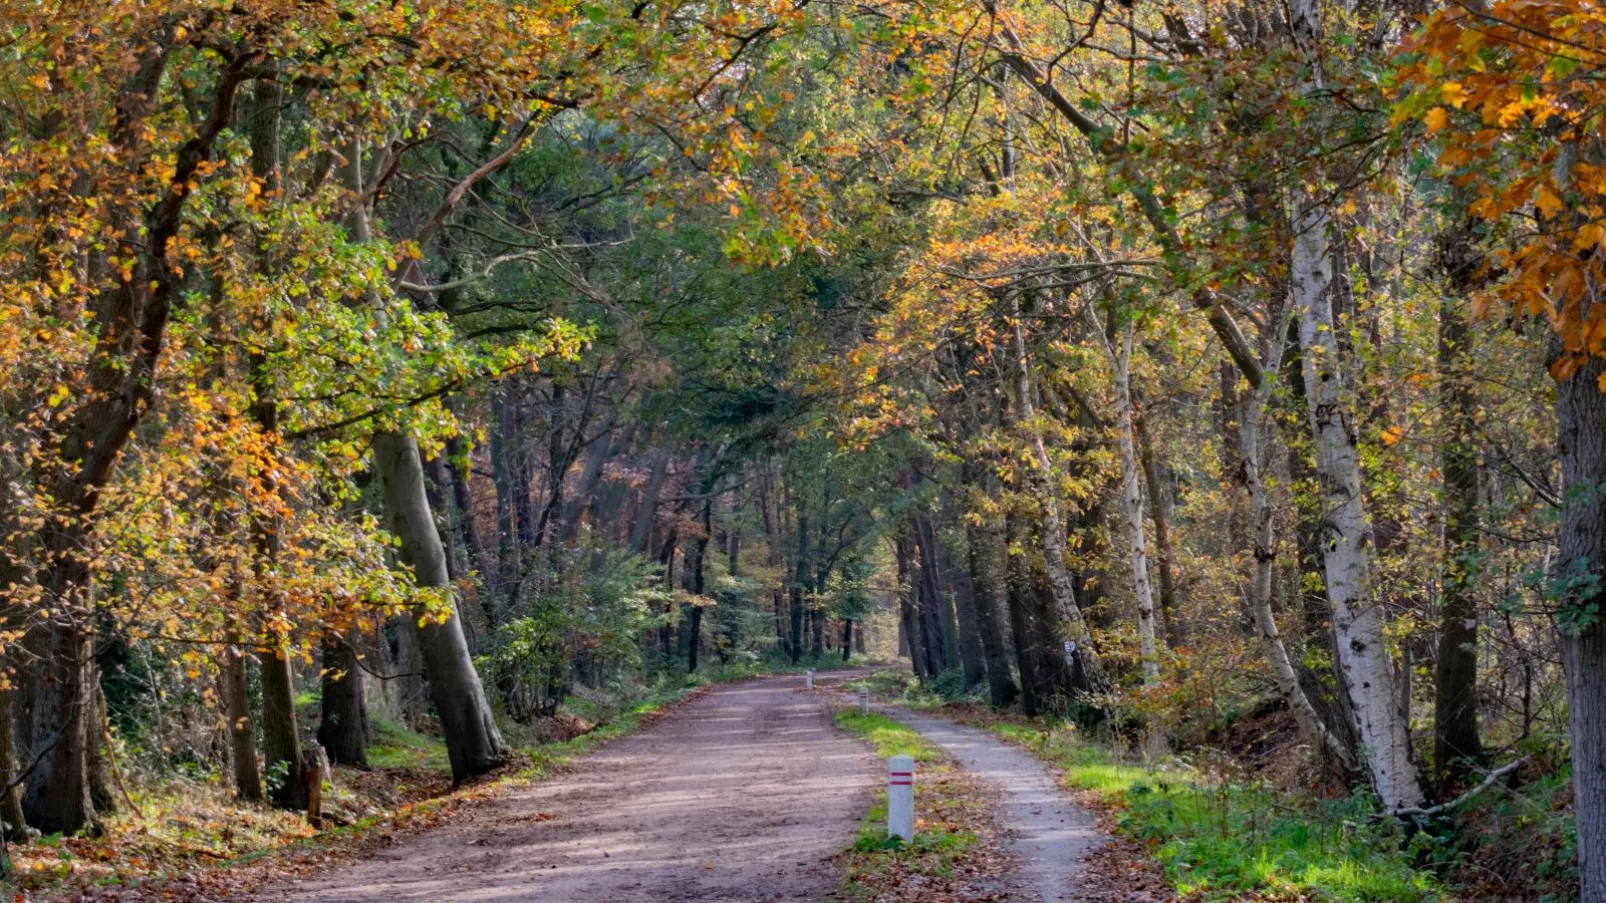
{"points": [[1520, 68]]}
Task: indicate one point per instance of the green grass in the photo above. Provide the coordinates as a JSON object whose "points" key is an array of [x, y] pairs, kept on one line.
{"points": [[397, 746], [1221, 840], [889, 737], [876, 860]]}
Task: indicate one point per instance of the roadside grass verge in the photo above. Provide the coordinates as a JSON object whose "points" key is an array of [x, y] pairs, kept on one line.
{"points": [[955, 843], [1217, 839], [1214, 835]]}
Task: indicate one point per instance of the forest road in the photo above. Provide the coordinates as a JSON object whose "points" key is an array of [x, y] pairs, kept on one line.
{"points": [[1052, 836], [744, 794]]}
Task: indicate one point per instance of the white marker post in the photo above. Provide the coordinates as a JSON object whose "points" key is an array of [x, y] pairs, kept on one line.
{"points": [[808, 680], [864, 700], [901, 798]]}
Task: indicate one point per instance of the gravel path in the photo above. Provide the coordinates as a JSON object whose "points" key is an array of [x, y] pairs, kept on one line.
{"points": [[744, 794], [1052, 837]]}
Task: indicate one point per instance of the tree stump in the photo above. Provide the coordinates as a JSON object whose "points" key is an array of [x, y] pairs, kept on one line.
{"points": [[314, 768]]}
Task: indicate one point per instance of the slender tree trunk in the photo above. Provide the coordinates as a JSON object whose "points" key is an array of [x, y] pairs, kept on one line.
{"points": [[1358, 620], [281, 740], [698, 586], [1455, 721], [800, 576], [908, 617], [1165, 555], [1132, 505], [931, 564], [647, 516], [504, 442], [242, 727], [666, 560], [767, 505], [473, 743], [343, 727], [1265, 566], [817, 629], [458, 467], [603, 448], [100, 764], [971, 659]]}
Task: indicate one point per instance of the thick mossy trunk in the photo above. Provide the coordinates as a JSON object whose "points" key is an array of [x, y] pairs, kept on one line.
{"points": [[473, 743]]}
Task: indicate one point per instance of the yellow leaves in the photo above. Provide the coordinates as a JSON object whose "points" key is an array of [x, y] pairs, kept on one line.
{"points": [[1547, 201], [1436, 119], [1454, 94], [60, 394]]}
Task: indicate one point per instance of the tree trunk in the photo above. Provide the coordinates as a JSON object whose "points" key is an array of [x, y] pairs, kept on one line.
{"points": [[982, 550], [698, 587], [343, 728], [504, 441], [1455, 695], [971, 659], [242, 728], [1022, 631], [908, 617], [12, 824], [941, 603], [641, 532], [458, 468], [1358, 621], [1132, 505], [56, 797], [602, 449], [1165, 555], [1052, 534], [473, 743], [847, 638], [281, 741], [800, 576], [1581, 422], [1265, 566]]}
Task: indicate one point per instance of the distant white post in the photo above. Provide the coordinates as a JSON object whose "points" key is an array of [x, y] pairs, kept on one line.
{"points": [[864, 700], [808, 680], [901, 798]]}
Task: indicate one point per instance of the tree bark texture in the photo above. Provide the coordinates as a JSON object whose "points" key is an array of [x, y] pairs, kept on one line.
{"points": [[473, 743]]}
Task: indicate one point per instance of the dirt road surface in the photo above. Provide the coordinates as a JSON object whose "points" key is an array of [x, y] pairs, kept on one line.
{"points": [[743, 794], [1052, 836]]}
